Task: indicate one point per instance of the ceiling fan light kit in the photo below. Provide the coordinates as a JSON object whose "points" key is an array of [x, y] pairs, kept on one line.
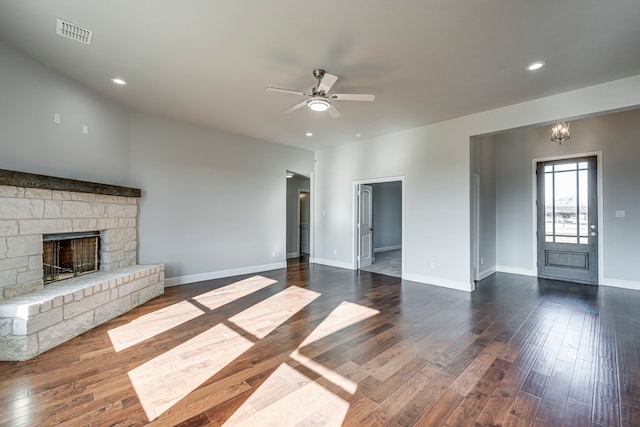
{"points": [[319, 98], [318, 104]]}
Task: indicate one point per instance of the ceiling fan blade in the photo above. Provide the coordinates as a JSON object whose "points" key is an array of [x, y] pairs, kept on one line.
{"points": [[292, 92], [334, 112], [295, 107], [328, 80], [353, 97]]}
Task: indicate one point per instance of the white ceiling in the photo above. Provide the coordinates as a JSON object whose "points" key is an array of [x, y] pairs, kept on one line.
{"points": [[209, 61]]}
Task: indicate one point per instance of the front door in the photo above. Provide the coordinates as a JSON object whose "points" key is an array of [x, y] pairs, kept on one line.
{"points": [[568, 220], [365, 225]]}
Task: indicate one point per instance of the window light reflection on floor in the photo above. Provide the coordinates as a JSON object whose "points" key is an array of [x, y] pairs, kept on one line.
{"points": [[152, 324]]}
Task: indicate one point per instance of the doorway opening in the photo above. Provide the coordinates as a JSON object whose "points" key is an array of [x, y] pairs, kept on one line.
{"points": [[379, 226], [567, 212], [299, 215]]}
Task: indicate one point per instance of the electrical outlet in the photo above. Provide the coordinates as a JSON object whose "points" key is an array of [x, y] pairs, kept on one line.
{"points": [[481, 261]]}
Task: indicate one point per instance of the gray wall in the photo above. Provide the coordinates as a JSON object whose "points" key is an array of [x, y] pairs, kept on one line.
{"points": [[293, 232], [387, 214], [617, 136], [29, 140], [484, 165], [213, 204]]}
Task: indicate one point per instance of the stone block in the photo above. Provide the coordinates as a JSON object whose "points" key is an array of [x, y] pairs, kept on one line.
{"points": [[17, 289], [3, 247], [107, 223], [8, 191], [21, 208], [85, 197], [45, 226], [113, 247], [133, 286], [29, 276], [57, 301], [46, 305], [150, 292], [123, 211], [16, 348], [6, 326], [75, 209], [8, 227], [78, 295], [113, 294], [53, 208], [112, 309], [85, 224], [112, 257], [64, 331], [24, 245], [131, 245], [8, 277], [118, 235], [96, 288], [60, 195], [19, 326], [35, 262], [88, 303], [37, 193], [126, 222], [88, 291], [45, 320]]}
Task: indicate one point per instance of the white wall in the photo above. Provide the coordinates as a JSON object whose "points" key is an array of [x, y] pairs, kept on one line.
{"points": [[29, 140], [387, 215], [435, 161], [213, 204], [617, 136]]}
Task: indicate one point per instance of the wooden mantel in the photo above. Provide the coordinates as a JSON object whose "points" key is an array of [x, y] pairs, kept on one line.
{"points": [[31, 180]]}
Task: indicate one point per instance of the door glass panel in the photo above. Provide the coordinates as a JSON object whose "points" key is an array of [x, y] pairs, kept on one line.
{"points": [[583, 196], [565, 203], [566, 194]]}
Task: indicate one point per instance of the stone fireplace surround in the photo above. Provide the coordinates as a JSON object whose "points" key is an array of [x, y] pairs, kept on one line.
{"points": [[35, 318]]}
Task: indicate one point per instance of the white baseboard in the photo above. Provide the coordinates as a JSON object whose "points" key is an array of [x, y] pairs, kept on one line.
{"points": [[437, 281], [387, 248], [617, 283], [333, 263], [192, 278], [293, 255], [486, 273], [516, 270]]}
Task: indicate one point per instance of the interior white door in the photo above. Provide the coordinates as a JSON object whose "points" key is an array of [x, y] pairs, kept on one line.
{"points": [[304, 222], [365, 225]]}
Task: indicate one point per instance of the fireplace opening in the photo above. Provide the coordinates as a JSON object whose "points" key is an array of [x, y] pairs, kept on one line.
{"points": [[67, 255]]}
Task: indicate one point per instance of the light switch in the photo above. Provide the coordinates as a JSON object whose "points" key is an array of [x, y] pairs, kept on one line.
{"points": [[85, 129], [56, 118], [620, 214]]}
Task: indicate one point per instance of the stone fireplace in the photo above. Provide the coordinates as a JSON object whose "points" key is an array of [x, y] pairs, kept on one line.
{"points": [[40, 217]]}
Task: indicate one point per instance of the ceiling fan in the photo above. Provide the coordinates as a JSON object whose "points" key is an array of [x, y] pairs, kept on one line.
{"points": [[319, 99]]}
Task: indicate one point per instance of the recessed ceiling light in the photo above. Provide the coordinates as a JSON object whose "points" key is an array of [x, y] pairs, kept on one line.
{"points": [[118, 81], [358, 134], [536, 65], [309, 134]]}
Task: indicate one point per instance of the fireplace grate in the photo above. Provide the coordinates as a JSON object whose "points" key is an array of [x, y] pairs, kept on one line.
{"points": [[69, 255]]}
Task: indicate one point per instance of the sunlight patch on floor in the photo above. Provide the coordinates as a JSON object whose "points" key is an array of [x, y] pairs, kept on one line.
{"points": [[161, 382], [222, 296], [289, 398], [262, 318], [152, 324]]}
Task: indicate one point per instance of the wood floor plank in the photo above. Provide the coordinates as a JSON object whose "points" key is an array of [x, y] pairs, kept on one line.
{"points": [[519, 351]]}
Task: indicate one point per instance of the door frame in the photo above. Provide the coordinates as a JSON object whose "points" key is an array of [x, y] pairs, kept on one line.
{"points": [[475, 227], [534, 217], [300, 191], [355, 244]]}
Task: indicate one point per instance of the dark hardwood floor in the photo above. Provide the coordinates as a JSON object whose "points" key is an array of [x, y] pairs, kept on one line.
{"points": [[315, 345]]}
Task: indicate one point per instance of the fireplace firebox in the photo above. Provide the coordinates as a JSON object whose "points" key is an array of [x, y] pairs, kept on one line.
{"points": [[67, 255]]}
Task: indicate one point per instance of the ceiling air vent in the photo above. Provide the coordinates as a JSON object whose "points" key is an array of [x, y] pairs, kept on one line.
{"points": [[73, 31]]}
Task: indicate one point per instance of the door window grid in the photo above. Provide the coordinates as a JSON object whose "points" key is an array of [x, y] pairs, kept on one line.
{"points": [[566, 202]]}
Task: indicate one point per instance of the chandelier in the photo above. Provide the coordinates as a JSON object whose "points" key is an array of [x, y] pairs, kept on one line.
{"points": [[560, 132]]}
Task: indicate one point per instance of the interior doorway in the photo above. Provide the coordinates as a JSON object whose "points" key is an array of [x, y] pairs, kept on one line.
{"points": [[299, 238], [379, 226]]}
